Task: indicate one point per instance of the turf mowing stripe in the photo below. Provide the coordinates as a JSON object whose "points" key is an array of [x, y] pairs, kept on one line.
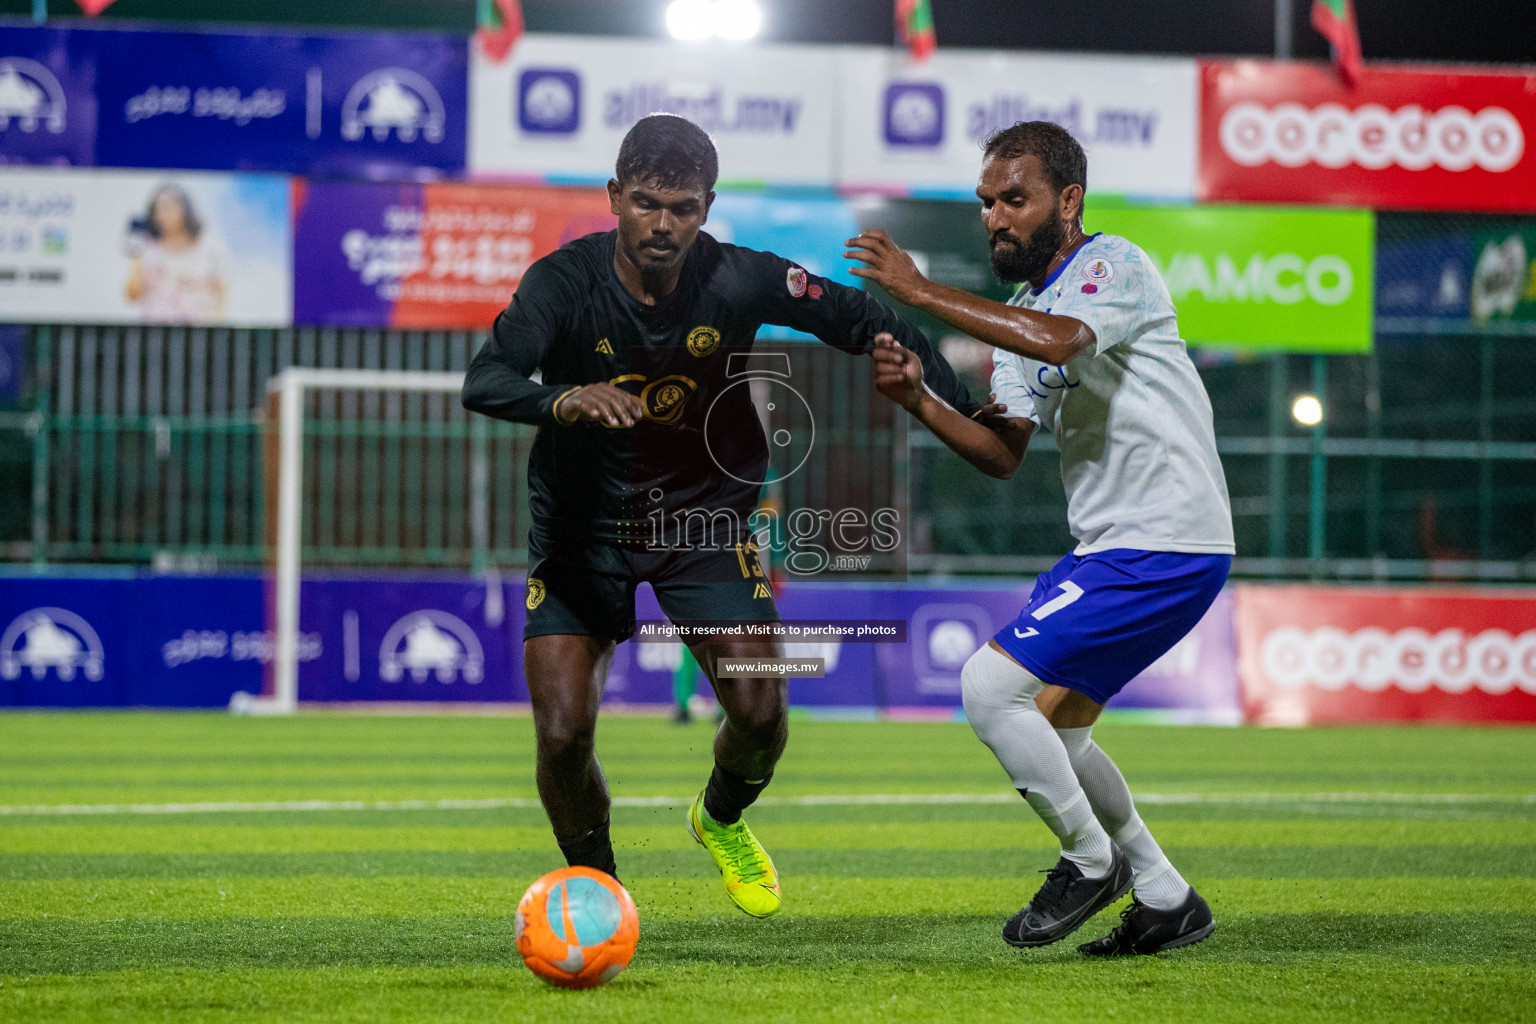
{"points": [[100, 837], [808, 895], [792, 949], [1205, 861], [813, 800]]}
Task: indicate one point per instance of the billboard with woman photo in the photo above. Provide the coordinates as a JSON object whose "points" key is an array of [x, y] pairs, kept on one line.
{"points": [[172, 248]]}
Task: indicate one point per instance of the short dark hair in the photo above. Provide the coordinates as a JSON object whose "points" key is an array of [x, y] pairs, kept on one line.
{"points": [[672, 151], [1059, 154]]}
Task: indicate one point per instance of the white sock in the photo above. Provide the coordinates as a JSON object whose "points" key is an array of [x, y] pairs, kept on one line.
{"points": [[1000, 704], [1158, 883]]}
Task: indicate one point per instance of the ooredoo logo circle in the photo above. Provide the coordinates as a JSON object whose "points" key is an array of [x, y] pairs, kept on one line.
{"points": [[1411, 659], [1371, 136]]}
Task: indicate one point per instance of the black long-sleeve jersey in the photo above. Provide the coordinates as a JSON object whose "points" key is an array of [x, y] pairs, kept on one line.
{"points": [[575, 322]]}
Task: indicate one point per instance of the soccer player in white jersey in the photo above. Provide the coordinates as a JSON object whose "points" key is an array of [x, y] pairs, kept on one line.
{"points": [[1088, 349]]}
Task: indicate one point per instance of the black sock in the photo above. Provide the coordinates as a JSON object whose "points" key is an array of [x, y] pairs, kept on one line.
{"points": [[728, 794], [591, 850]]}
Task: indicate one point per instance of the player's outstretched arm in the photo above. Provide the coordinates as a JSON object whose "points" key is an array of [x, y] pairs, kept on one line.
{"points": [[992, 442], [499, 380], [845, 318], [1056, 340]]}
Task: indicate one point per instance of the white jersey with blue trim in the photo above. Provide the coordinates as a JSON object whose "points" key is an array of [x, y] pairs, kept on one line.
{"points": [[1130, 414]]}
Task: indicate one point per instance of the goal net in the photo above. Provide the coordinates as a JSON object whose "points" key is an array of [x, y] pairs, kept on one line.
{"points": [[376, 469]]}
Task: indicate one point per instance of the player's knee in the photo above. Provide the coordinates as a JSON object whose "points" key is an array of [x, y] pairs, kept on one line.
{"points": [[991, 683], [566, 737], [760, 716]]}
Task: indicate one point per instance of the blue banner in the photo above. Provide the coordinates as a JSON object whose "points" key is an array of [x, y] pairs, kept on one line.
{"points": [[364, 105], [47, 96]]}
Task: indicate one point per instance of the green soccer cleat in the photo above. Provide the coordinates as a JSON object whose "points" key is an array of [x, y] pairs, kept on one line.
{"points": [[750, 879]]}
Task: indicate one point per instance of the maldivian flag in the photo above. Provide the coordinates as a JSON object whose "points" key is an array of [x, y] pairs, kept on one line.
{"points": [[914, 21], [500, 22], [1335, 19]]}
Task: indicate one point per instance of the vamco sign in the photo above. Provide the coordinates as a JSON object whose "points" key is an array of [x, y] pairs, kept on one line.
{"points": [[1258, 276]]}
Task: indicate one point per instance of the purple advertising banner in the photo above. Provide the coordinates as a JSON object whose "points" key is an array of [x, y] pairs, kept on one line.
{"points": [[47, 97], [352, 245], [438, 255], [371, 105], [194, 641], [391, 639], [152, 641]]}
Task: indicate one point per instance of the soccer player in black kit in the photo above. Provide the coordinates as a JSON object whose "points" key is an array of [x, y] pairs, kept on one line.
{"points": [[630, 331]]}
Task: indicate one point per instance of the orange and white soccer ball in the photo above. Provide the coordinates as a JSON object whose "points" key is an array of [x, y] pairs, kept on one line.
{"points": [[577, 928]]}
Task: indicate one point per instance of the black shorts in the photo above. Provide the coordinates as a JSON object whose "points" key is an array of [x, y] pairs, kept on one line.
{"points": [[588, 588]]}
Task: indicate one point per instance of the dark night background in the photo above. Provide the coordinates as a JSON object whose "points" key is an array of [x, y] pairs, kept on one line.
{"points": [[1501, 31]]}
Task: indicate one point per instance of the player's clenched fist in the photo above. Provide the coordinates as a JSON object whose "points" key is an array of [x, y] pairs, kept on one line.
{"points": [[599, 403], [898, 372]]}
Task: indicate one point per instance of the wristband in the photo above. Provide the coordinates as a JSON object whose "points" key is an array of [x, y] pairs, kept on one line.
{"points": [[554, 409]]}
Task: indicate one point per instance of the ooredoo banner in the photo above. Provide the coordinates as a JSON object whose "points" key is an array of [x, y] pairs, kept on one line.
{"points": [[1313, 654], [426, 256], [558, 109], [1403, 138], [94, 246], [919, 127]]}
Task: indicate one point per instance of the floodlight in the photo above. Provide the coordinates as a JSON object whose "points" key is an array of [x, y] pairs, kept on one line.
{"points": [[1307, 410], [691, 20], [737, 19]]}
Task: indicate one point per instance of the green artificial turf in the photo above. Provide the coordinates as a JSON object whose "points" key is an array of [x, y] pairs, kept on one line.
{"points": [[1381, 874]]}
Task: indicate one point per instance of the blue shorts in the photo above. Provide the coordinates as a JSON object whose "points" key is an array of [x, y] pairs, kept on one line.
{"points": [[1094, 622]]}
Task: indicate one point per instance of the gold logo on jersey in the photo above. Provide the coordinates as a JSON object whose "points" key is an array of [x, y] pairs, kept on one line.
{"points": [[535, 593], [663, 399], [605, 348], [761, 590], [703, 340]]}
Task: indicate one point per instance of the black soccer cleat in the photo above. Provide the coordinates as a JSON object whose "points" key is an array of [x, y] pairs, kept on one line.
{"points": [[1143, 929], [1065, 901]]}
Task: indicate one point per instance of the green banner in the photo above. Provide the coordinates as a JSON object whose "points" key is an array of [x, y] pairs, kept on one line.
{"points": [[1263, 277], [1504, 276]]}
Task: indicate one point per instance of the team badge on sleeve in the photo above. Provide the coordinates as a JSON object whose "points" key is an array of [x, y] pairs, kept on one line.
{"points": [[1098, 271], [535, 592], [795, 281]]}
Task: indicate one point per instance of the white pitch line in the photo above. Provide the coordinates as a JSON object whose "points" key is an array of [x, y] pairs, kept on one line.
{"points": [[815, 800]]}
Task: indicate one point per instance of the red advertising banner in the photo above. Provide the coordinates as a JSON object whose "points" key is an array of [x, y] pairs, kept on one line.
{"points": [[1404, 138], [437, 255], [1309, 654]]}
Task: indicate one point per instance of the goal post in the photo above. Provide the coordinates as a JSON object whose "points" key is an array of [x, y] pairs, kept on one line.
{"points": [[287, 392]]}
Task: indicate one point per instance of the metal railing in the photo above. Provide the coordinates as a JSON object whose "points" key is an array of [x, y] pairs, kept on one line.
{"points": [[142, 445]]}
